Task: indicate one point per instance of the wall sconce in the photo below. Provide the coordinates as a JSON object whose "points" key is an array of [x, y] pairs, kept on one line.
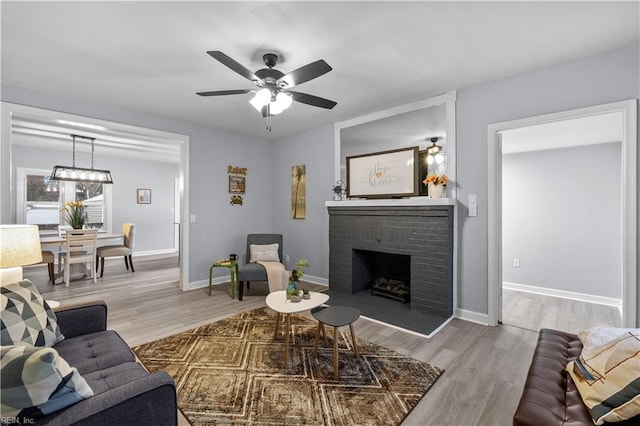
{"points": [[80, 174]]}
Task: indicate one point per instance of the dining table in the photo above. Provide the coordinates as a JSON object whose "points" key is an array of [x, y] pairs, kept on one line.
{"points": [[57, 242]]}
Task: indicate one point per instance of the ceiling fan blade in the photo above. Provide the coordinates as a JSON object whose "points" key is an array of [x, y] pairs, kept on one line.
{"points": [[312, 100], [236, 66], [303, 74], [226, 92]]}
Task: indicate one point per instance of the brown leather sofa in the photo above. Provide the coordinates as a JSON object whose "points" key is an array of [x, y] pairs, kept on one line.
{"points": [[550, 397]]}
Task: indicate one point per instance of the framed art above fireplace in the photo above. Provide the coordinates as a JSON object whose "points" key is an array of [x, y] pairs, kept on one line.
{"points": [[386, 174]]}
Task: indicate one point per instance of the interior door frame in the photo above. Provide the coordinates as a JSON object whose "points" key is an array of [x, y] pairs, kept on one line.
{"points": [[629, 203], [7, 195]]}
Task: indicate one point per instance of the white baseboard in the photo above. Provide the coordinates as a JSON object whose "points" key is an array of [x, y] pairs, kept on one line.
{"points": [[315, 280], [225, 279], [581, 297], [156, 252], [472, 316]]}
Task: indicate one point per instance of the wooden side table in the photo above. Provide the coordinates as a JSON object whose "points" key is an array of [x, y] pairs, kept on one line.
{"points": [[277, 301], [233, 272], [336, 316]]}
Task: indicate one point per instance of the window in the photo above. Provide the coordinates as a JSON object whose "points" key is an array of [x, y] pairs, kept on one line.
{"points": [[40, 200]]}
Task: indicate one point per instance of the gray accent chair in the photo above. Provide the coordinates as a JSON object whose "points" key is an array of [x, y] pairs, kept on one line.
{"points": [[254, 271]]}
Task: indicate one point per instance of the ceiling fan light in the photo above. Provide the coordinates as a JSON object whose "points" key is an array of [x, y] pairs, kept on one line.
{"points": [[439, 158], [283, 100], [275, 108], [261, 98]]}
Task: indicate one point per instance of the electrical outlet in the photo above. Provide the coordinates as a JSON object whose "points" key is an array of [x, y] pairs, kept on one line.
{"points": [[192, 218], [516, 263], [286, 257]]}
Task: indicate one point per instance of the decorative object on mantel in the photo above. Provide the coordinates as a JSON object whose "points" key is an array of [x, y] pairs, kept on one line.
{"points": [[338, 191], [386, 174], [80, 174], [298, 192], [237, 183], [76, 214], [437, 185]]}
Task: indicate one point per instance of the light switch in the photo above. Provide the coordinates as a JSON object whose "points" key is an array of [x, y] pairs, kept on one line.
{"points": [[192, 218], [473, 205]]}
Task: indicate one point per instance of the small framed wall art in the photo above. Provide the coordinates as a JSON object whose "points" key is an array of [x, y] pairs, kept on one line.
{"points": [[237, 184], [144, 196]]}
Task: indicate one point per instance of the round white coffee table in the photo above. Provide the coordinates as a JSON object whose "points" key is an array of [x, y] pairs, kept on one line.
{"points": [[277, 301]]}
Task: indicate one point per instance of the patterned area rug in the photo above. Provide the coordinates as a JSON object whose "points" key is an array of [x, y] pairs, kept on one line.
{"points": [[232, 372]]}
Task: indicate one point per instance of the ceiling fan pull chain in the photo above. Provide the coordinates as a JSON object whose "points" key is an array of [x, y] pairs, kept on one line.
{"points": [[269, 117]]}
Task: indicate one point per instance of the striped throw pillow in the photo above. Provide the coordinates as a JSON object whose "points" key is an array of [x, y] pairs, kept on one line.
{"points": [[36, 381], [608, 378]]}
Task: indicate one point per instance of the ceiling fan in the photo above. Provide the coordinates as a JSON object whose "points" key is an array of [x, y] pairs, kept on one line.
{"points": [[273, 95]]}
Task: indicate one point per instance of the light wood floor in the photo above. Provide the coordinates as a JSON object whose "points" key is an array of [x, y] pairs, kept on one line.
{"points": [[485, 366], [535, 311]]}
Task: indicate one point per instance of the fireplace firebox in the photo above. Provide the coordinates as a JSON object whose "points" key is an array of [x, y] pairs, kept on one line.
{"points": [[382, 274]]}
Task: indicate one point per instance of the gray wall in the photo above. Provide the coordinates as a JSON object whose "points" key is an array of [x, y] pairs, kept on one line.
{"points": [[608, 77], [561, 217], [307, 238], [154, 222], [220, 228]]}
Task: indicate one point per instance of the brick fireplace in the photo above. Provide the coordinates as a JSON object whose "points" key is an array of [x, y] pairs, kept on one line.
{"points": [[421, 234]]}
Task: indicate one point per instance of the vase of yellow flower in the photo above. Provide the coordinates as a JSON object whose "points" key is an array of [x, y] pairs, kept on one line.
{"points": [[75, 214], [436, 185]]}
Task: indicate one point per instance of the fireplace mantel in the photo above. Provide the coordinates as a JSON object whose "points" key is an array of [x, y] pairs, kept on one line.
{"points": [[400, 202]]}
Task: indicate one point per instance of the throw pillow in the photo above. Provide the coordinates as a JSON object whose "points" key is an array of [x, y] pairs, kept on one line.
{"points": [[264, 253], [594, 337], [608, 379], [37, 381], [26, 317]]}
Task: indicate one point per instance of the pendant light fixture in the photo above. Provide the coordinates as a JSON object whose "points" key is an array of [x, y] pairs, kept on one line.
{"points": [[80, 174]]}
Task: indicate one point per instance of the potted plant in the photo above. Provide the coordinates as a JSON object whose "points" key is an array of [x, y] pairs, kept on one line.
{"points": [[294, 278], [305, 293], [75, 214], [436, 184]]}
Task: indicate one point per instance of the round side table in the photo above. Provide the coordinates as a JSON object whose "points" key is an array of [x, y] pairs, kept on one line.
{"points": [[336, 316]]}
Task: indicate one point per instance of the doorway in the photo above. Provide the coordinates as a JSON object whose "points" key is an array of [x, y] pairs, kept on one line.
{"points": [[117, 137], [626, 264]]}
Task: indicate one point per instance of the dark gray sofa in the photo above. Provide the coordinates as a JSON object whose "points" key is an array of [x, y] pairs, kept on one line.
{"points": [[124, 392]]}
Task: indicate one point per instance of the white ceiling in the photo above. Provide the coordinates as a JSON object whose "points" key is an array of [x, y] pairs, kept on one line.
{"points": [[151, 56]]}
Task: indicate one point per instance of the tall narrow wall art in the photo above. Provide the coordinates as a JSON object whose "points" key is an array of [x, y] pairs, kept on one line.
{"points": [[298, 192]]}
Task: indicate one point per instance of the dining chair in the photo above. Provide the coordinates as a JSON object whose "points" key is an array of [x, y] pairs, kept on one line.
{"points": [[48, 258], [62, 229], [126, 249], [80, 247]]}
